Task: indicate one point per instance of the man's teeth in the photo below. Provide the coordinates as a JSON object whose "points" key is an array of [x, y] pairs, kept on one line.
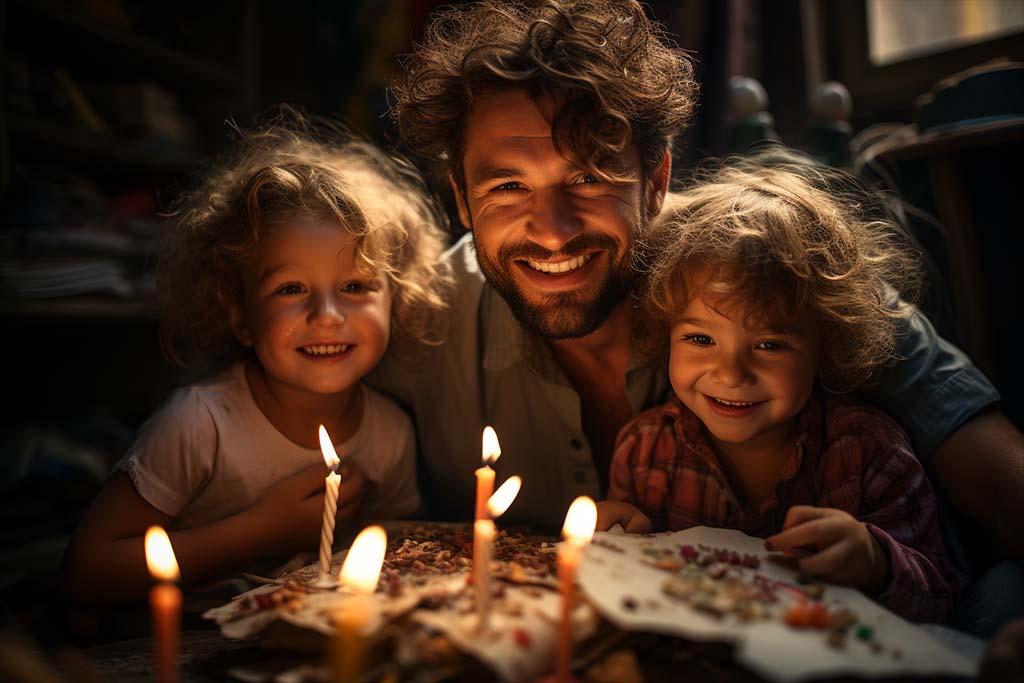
{"points": [[324, 349], [561, 266], [735, 404]]}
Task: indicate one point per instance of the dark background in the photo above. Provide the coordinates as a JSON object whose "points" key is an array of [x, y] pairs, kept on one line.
{"points": [[112, 106]]}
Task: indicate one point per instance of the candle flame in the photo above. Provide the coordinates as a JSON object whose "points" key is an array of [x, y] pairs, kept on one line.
{"points": [[327, 448], [580, 521], [364, 560], [491, 449], [503, 497], [160, 555]]}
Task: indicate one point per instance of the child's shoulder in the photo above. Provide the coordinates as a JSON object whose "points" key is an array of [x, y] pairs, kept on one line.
{"points": [[207, 398], [652, 422], [227, 385], [383, 412], [847, 416]]}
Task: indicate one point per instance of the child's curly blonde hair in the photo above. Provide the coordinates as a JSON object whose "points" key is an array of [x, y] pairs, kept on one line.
{"points": [[773, 235], [284, 168]]}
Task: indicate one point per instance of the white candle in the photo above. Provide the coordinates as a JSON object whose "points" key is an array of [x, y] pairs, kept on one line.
{"points": [[490, 453], [580, 521], [164, 604], [331, 485], [359, 574], [483, 540]]}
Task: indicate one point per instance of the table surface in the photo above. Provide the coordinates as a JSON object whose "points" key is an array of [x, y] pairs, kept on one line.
{"points": [[207, 657]]}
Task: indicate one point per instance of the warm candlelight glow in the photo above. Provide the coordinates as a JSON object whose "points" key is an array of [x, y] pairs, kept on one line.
{"points": [[364, 560], [327, 448], [580, 521], [503, 497], [160, 555], [491, 450]]}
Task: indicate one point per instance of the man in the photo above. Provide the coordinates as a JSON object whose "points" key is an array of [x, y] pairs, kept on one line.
{"points": [[556, 122]]}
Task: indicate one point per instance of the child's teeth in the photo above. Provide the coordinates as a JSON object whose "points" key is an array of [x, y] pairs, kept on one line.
{"points": [[323, 349], [737, 404]]}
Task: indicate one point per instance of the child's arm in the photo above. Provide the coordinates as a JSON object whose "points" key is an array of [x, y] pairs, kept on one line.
{"points": [[612, 512], [640, 479], [105, 560], [893, 549]]}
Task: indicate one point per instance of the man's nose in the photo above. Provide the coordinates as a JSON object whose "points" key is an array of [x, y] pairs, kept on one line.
{"points": [[554, 220], [733, 370], [326, 310]]}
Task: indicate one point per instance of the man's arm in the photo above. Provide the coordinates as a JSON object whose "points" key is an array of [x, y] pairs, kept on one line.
{"points": [[949, 409], [980, 467]]}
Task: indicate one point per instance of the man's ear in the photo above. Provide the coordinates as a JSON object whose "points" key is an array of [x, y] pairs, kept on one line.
{"points": [[460, 202], [657, 184], [238, 326]]}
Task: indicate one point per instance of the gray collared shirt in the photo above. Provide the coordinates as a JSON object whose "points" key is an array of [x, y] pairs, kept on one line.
{"points": [[491, 371]]}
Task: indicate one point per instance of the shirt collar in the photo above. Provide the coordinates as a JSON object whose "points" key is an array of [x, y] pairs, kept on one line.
{"points": [[810, 435]]}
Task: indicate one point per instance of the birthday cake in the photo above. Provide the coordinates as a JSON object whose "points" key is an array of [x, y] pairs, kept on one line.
{"points": [[701, 584]]}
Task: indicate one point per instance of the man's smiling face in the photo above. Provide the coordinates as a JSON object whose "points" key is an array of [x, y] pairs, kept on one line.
{"points": [[552, 239]]}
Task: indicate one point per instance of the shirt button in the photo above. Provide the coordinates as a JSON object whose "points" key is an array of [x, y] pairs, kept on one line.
{"points": [[576, 444], [581, 477]]}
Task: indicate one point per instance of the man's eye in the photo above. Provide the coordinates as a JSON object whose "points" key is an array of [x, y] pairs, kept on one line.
{"points": [[510, 186], [699, 339], [770, 345], [587, 179], [290, 289]]}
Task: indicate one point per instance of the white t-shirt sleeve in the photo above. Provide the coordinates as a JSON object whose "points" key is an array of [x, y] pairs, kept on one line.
{"points": [[174, 453], [391, 464]]}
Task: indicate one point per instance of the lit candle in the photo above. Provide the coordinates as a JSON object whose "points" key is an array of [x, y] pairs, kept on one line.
{"points": [[485, 474], [359, 574], [164, 604], [578, 530], [483, 539], [331, 485]]}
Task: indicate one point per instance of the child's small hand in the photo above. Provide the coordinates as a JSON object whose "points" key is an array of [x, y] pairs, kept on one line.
{"points": [[834, 546], [612, 512], [292, 509], [350, 493]]}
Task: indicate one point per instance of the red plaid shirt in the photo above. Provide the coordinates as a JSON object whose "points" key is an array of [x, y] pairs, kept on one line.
{"points": [[847, 456]]}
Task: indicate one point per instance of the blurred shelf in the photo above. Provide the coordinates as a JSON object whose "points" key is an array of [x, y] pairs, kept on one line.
{"points": [[80, 308], [82, 40], [957, 139], [95, 148]]}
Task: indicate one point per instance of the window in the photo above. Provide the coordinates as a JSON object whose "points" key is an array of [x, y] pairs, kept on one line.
{"points": [[904, 29]]}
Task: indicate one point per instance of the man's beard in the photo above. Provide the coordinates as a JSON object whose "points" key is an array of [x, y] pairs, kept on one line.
{"points": [[562, 315]]}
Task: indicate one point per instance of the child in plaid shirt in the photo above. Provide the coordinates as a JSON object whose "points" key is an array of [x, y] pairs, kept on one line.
{"points": [[773, 283]]}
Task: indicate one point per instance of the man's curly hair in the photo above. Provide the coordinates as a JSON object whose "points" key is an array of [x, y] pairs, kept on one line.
{"points": [[291, 167], [770, 236], [612, 74]]}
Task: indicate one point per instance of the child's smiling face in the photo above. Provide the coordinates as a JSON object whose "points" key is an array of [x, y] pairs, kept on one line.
{"points": [[746, 382], [316, 322]]}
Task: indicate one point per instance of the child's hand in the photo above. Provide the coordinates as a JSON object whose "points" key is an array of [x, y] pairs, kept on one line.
{"points": [[612, 512], [350, 493], [834, 546], [291, 510]]}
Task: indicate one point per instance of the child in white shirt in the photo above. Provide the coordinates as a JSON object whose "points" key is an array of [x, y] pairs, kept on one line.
{"points": [[305, 252]]}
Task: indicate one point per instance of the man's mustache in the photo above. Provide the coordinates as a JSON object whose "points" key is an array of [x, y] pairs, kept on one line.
{"points": [[577, 246]]}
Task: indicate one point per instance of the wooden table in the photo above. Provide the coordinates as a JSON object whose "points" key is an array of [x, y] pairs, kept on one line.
{"points": [[209, 658]]}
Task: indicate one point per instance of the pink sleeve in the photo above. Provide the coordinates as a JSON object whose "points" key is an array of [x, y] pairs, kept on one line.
{"points": [[899, 509], [642, 467]]}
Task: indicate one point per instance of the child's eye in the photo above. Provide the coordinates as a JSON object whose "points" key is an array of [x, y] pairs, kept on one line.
{"points": [[770, 345], [290, 289], [355, 288], [699, 339]]}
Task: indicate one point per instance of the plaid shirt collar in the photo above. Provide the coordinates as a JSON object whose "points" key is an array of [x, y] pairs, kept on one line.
{"points": [[690, 434]]}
